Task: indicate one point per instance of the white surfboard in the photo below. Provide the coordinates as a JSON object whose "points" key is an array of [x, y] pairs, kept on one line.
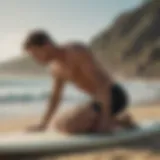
{"points": [[52, 143]]}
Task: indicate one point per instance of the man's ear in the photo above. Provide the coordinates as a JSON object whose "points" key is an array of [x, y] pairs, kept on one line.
{"points": [[47, 46]]}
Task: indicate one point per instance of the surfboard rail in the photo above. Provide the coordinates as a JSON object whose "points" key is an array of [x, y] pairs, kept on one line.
{"points": [[44, 145]]}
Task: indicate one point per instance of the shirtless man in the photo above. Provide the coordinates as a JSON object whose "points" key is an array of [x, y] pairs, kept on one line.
{"points": [[75, 63]]}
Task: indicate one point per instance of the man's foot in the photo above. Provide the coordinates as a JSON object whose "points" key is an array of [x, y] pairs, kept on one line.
{"points": [[126, 122]]}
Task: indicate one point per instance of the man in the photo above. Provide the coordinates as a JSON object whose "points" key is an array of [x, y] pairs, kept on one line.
{"points": [[75, 63]]}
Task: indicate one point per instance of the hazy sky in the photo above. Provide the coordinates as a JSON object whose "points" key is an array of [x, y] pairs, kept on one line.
{"points": [[64, 19]]}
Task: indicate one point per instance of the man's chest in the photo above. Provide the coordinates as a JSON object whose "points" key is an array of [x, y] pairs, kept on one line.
{"points": [[66, 71]]}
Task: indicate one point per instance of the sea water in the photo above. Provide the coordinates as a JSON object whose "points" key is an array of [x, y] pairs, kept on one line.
{"points": [[19, 96]]}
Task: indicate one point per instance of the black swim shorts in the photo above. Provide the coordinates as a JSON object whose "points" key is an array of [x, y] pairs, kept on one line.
{"points": [[119, 100]]}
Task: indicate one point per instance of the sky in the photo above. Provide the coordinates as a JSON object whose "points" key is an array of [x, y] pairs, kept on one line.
{"points": [[65, 20]]}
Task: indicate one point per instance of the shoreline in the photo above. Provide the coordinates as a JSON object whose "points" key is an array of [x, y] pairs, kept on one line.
{"points": [[47, 76]]}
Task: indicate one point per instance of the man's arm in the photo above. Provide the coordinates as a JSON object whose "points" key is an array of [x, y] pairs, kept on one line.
{"points": [[52, 105], [103, 96], [54, 100]]}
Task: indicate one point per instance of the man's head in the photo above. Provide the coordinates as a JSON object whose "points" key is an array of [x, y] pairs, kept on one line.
{"points": [[40, 45]]}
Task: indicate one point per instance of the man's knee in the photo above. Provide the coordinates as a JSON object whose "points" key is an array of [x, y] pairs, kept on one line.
{"points": [[67, 126], [76, 121], [61, 125]]}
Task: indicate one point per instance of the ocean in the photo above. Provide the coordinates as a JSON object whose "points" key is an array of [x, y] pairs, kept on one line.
{"points": [[19, 96]]}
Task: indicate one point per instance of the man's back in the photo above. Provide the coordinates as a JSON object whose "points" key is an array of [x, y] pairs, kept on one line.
{"points": [[79, 67]]}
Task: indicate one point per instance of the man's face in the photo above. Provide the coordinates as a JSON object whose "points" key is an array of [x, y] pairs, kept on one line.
{"points": [[42, 54]]}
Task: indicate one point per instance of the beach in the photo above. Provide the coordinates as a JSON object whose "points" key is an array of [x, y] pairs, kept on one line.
{"points": [[140, 150], [22, 102]]}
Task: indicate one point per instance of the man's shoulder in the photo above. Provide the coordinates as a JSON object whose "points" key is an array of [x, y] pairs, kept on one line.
{"points": [[78, 51], [78, 45]]}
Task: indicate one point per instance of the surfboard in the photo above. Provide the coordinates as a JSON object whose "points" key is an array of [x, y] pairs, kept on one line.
{"points": [[54, 143]]}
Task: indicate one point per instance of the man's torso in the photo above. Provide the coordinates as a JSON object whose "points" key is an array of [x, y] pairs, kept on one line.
{"points": [[77, 67]]}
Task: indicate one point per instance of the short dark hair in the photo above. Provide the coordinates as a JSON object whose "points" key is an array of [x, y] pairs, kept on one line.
{"points": [[36, 38]]}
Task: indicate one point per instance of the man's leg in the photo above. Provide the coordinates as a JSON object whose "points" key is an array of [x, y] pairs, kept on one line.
{"points": [[79, 119]]}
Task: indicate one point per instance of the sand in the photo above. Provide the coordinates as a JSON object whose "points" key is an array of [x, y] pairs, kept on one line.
{"points": [[139, 150]]}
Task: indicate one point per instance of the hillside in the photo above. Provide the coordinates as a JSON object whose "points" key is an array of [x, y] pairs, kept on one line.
{"points": [[131, 46], [22, 65]]}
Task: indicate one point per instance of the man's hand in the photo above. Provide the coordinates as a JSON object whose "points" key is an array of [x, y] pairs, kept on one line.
{"points": [[54, 101], [37, 128]]}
